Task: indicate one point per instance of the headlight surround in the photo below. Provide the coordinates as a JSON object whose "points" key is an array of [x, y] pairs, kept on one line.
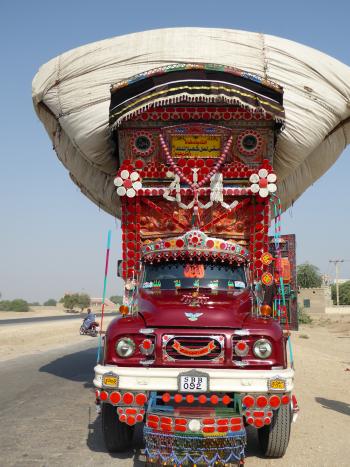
{"points": [[125, 347], [262, 348]]}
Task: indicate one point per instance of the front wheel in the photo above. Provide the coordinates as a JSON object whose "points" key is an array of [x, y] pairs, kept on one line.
{"points": [[274, 438], [117, 435], [82, 330]]}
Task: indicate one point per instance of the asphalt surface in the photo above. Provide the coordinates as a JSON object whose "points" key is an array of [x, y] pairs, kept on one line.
{"points": [[48, 416], [50, 318], [47, 412]]}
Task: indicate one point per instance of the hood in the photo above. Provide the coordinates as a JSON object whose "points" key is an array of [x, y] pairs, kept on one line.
{"points": [[170, 308]]}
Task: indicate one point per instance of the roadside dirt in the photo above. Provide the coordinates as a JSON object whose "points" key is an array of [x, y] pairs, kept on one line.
{"points": [[34, 338], [320, 436], [53, 311]]}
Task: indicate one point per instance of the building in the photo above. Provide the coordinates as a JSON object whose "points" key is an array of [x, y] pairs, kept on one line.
{"points": [[97, 303], [315, 299]]}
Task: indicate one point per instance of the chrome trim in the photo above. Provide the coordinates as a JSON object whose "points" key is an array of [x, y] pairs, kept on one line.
{"points": [[146, 331], [112, 375], [280, 378], [219, 338], [147, 362], [241, 332]]}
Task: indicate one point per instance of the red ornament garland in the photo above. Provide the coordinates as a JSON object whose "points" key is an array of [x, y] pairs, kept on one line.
{"points": [[180, 172]]}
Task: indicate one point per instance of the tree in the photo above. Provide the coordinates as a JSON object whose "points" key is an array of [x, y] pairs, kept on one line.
{"points": [[83, 301], [15, 305], [50, 302], [70, 301], [344, 293], [308, 276], [116, 299], [5, 305], [19, 305], [76, 300]]}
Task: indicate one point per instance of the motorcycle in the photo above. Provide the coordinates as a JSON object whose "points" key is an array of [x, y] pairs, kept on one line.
{"points": [[91, 330]]}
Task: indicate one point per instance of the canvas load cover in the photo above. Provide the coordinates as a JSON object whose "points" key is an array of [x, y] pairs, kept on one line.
{"points": [[72, 97]]}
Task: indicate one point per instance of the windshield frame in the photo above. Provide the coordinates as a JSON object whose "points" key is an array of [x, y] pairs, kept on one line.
{"points": [[182, 287]]}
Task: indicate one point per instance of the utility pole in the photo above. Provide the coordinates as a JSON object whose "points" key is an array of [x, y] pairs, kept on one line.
{"points": [[336, 264]]}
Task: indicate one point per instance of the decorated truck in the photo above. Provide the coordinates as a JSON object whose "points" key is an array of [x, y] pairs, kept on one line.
{"points": [[198, 351], [197, 140]]}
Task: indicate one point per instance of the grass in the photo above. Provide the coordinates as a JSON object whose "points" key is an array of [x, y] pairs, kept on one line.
{"points": [[303, 317]]}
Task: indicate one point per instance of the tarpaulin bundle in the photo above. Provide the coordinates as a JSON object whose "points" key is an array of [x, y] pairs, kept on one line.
{"points": [[72, 97]]}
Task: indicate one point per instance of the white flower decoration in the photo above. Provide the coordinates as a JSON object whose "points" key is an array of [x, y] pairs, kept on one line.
{"points": [[128, 183], [263, 183]]}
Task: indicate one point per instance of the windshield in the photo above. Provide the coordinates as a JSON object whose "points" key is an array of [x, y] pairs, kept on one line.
{"points": [[182, 275]]}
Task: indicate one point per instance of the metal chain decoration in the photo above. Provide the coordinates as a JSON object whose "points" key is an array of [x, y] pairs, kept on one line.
{"points": [[163, 447]]}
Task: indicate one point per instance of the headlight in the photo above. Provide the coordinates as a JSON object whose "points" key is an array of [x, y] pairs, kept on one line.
{"points": [[125, 347], [262, 348]]}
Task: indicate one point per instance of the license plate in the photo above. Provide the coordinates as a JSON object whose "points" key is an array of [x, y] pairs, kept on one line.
{"points": [[277, 384], [193, 383], [111, 381]]}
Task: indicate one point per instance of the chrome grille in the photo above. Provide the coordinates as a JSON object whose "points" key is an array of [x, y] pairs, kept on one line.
{"points": [[198, 348]]}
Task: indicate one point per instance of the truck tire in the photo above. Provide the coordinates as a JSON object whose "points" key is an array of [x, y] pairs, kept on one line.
{"points": [[138, 441], [274, 438], [117, 435]]}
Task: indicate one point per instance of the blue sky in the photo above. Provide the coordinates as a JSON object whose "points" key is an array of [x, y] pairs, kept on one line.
{"points": [[52, 238]]}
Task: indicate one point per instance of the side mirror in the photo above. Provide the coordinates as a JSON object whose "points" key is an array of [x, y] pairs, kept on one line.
{"points": [[120, 268]]}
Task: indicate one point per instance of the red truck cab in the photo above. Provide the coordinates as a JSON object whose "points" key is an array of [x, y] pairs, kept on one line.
{"points": [[198, 351]]}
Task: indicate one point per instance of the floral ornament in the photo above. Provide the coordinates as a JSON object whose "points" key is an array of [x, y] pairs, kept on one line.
{"points": [[263, 183], [128, 183], [195, 238]]}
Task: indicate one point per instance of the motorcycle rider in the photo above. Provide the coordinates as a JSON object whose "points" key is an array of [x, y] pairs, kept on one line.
{"points": [[89, 319]]}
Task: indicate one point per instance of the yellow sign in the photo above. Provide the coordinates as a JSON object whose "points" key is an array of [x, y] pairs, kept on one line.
{"points": [[111, 381], [277, 384], [195, 146]]}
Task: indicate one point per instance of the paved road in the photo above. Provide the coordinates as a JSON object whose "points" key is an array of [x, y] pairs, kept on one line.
{"points": [[47, 412], [49, 318], [48, 418]]}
